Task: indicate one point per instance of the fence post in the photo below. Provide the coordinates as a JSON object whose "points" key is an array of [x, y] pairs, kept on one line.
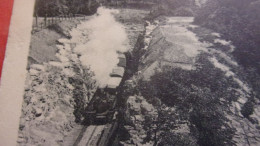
{"points": [[45, 20], [36, 20]]}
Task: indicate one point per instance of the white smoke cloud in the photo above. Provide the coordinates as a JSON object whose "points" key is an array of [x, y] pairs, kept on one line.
{"points": [[98, 40]]}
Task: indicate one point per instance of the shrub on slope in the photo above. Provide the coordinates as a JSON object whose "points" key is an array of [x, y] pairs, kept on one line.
{"points": [[198, 97], [54, 100], [238, 21], [47, 107]]}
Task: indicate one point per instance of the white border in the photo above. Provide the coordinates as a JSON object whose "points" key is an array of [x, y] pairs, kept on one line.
{"points": [[14, 71]]}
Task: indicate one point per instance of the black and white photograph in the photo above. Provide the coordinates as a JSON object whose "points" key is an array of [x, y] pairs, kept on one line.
{"points": [[142, 73]]}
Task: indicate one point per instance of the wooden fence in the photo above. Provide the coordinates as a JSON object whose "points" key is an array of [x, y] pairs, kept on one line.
{"points": [[40, 23]]}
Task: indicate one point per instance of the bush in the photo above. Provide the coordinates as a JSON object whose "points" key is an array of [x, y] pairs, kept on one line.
{"points": [[172, 139], [83, 84], [238, 21], [183, 11], [247, 109], [196, 96], [56, 7]]}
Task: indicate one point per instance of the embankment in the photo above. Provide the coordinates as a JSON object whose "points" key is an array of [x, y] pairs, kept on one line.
{"points": [[54, 93]]}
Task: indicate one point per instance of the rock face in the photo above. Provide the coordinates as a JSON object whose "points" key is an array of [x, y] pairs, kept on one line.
{"points": [[46, 116], [48, 110], [170, 44]]}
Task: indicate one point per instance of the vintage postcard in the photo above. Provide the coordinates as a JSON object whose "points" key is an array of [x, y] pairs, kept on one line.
{"points": [[132, 73]]}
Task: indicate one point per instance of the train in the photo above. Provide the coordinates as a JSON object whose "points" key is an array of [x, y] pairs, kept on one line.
{"points": [[102, 107]]}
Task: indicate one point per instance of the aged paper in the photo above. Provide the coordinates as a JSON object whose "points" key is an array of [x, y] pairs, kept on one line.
{"points": [[128, 72], [14, 70]]}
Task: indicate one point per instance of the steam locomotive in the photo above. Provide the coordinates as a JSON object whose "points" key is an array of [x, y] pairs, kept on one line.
{"points": [[102, 107]]}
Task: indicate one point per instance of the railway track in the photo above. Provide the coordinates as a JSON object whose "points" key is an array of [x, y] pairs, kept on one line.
{"points": [[91, 136], [97, 135]]}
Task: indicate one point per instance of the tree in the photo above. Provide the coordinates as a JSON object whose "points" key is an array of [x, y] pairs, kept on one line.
{"points": [[208, 121], [247, 109], [196, 97], [159, 126], [177, 139], [83, 83], [65, 7]]}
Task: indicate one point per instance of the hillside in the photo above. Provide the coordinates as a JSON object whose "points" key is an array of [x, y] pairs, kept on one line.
{"points": [[55, 95], [237, 21], [186, 87]]}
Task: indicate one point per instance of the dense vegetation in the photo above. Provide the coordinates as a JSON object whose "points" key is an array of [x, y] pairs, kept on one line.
{"points": [[83, 84], [87, 7], [65, 7], [238, 21], [173, 8], [196, 95]]}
